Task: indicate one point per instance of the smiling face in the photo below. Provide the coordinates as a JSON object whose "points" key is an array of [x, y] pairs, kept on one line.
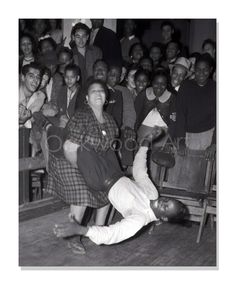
{"points": [[202, 72], [159, 85], [172, 50], [209, 48], [46, 46], [96, 95], [100, 71], [26, 46], [80, 37], [32, 80], [178, 75], [141, 82], [137, 53], [167, 208], [155, 54], [114, 76], [70, 78], [146, 64]]}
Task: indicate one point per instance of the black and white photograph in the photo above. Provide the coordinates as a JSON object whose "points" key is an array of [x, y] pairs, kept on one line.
{"points": [[117, 131]]}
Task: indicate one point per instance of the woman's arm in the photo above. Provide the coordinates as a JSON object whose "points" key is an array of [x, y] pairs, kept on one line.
{"points": [[70, 152]]}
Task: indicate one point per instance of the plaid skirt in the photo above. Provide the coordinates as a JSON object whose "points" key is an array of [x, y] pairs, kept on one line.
{"points": [[67, 183]]}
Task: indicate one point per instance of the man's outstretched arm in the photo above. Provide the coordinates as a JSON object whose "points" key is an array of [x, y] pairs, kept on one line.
{"points": [[112, 234]]}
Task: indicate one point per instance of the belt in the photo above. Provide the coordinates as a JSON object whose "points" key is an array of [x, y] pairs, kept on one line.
{"points": [[109, 182]]}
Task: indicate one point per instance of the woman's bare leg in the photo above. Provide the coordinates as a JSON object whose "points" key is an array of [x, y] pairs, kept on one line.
{"points": [[101, 215]]}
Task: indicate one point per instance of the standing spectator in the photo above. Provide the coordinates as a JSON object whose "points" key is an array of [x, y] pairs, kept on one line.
{"points": [[196, 110], [55, 30], [179, 72], [65, 57], [49, 60], [114, 105], [167, 33], [68, 93], [155, 52], [107, 41], [156, 96], [137, 51], [40, 28], [209, 47], [129, 38], [47, 44], [173, 49], [146, 63], [84, 55]]}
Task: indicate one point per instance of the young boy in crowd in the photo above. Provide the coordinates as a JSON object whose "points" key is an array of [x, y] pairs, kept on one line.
{"points": [[69, 92]]}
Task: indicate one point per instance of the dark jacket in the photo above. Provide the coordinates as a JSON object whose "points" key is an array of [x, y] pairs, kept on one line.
{"points": [[108, 42], [62, 102]]}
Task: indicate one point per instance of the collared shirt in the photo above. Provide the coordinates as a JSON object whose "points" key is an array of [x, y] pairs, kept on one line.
{"points": [[49, 89], [132, 200], [70, 95]]}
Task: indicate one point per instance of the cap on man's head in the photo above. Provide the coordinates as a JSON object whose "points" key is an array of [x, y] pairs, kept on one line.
{"points": [[183, 61]]}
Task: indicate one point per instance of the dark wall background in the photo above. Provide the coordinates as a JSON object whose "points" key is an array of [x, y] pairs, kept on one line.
{"points": [[191, 32]]}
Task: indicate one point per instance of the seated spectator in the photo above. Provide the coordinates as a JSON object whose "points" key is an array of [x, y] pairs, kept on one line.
{"points": [[65, 57], [129, 39], [29, 100], [196, 110], [84, 55]]}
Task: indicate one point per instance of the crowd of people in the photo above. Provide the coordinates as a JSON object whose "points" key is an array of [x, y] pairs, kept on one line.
{"points": [[108, 95]]}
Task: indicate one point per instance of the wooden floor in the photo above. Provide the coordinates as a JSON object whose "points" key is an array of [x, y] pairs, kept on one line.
{"points": [[169, 245]]}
